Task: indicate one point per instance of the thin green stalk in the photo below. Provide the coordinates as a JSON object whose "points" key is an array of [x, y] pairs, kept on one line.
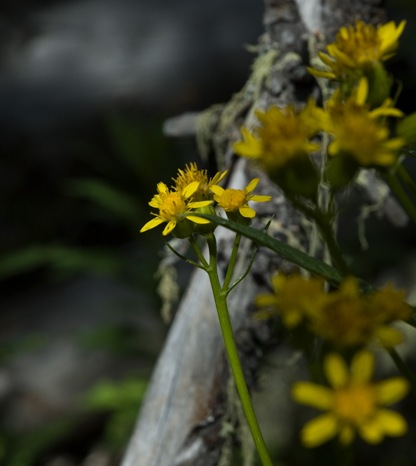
{"points": [[327, 233], [220, 297], [404, 369], [401, 195], [198, 252], [231, 263]]}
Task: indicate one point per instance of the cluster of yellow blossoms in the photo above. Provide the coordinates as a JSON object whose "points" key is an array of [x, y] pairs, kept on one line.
{"points": [[359, 134], [346, 319], [354, 119], [194, 192]]}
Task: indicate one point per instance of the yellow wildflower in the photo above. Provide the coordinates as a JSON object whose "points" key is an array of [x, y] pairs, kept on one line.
{"points": [[191, 174], [235, 201], [353, 403], [293, 297], [359, 48], [281, 145], [175, 208], [283, 135], [360, 133]]}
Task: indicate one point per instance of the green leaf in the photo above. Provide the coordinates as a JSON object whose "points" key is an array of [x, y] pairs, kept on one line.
{"points": [[284, 250]]}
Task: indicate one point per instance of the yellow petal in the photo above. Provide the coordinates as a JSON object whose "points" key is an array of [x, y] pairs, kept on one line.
{"points": [[362, 366], [266, 300], [250, 147], [151, 224], [312, 395], [217, 190], [319, 430], [169, 227], [162, 188], [195, 219], [371, 431], [252, 185], [391, 390], [198, 204], [190, 189], [335, 370], [258, 198], [247, 212], [388, 337], [362, 91], [392, 423]]}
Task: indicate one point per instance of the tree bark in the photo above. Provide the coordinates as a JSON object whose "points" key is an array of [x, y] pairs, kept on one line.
{"points": [[181, 420]]}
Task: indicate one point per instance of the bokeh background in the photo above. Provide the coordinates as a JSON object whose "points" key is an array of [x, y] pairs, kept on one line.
{"points": [[85, 86]]}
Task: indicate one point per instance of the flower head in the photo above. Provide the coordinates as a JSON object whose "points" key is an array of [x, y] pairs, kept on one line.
{"points": [[348, 318], [353, 403], [235, 201], [192, 174], [293, 297], [175, 209], [358, 48], [283, 136], [360, 133], [282, 146]]}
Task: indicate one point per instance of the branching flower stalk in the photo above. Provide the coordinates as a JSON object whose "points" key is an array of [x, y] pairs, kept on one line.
{"points": [[354, 131], [220, 293]]}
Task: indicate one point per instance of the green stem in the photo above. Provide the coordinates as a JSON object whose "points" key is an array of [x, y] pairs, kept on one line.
{"points": [[327, 233], [401, 195], [231, 263], [198, 252], [220, 295], [404, 369]]}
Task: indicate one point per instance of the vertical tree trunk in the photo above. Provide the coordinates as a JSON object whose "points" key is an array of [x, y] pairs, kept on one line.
{"points": [[182, 416]]}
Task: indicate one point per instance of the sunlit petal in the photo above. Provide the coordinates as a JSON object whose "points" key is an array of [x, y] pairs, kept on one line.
{"points": [[151, 224]]}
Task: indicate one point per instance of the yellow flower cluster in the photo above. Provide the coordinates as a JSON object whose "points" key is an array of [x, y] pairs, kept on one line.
{"points": [[346, 317], [358, 48], [355, 117], [193, 192]]}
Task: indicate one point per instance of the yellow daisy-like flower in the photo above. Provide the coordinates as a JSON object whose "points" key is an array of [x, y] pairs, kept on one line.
{"points": [[294, 297], [283, 135], [361, 133], [353, 403], [191, 174], [235, 201], [175, 208], [358, 48]]}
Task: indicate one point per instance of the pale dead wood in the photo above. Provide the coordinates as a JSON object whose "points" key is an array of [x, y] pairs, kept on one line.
{"points": [[181, 419]]}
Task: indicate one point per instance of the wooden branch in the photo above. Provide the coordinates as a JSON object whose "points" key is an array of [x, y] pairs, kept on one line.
{"points": [[182, 416]]}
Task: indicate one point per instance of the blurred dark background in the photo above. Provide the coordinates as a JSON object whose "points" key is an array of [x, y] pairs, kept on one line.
{"points": [[85, 87]]}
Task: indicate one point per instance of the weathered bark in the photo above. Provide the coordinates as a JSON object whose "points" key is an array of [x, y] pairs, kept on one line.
{"points": [[181, 419]]}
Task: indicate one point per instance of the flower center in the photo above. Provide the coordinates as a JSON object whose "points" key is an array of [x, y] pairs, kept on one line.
{"points": [[172, 206], [232, 199], [354, 403]]}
